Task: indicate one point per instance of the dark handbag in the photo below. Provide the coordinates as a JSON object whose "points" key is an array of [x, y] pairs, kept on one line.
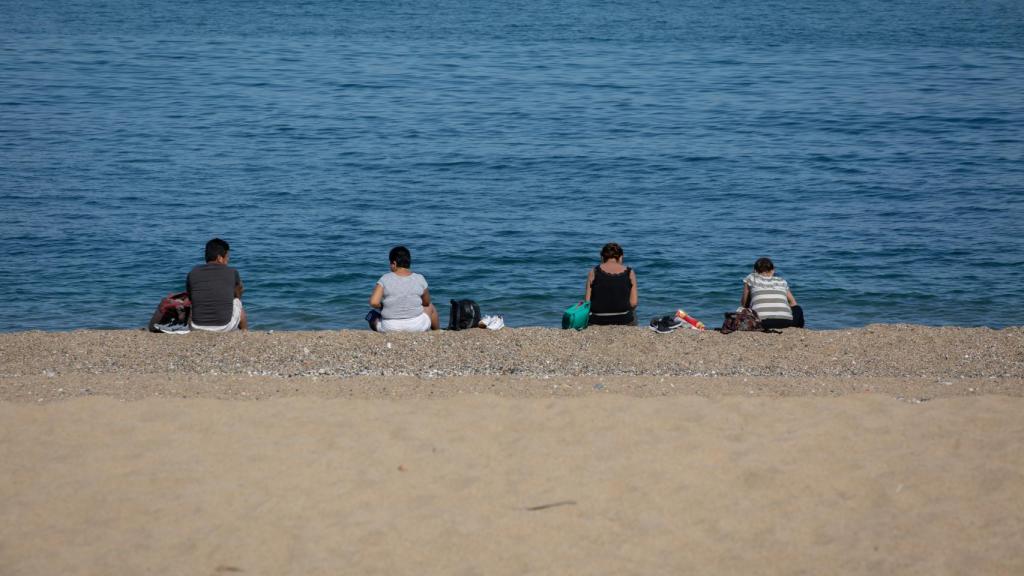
{"points": [[742, 320], [171, 314]]}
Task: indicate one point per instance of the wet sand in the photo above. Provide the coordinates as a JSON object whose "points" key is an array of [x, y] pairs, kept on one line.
{"points": [[885, 450]]}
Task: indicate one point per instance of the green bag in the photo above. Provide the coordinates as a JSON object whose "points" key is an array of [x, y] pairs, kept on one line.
{"points": [[576, 316]]}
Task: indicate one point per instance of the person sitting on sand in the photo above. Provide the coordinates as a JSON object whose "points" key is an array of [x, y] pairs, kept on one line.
{"points": [[611, 289], [402, 297], [215, 290], [769, 296]]}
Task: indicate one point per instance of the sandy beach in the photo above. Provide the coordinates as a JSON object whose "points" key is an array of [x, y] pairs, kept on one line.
{"points": [[880, 450]]}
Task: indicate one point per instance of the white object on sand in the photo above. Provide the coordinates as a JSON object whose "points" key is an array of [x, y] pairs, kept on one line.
{"points": [[496, 322]]}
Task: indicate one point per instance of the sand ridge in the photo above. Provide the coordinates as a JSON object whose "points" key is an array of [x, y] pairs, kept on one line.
{"points": [[912, 362], [875, 351]]}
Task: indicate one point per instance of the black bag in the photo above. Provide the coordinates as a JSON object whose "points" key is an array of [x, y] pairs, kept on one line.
{"points": [[464, 314], [172, 314], [743, 319]]}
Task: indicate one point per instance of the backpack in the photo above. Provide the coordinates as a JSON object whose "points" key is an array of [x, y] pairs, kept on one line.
{"points": [[576, 316], [465, 314], [172, 314], [743, 319]]}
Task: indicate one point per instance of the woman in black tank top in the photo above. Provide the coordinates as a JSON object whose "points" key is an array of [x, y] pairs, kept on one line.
{"points": [[611, 289]]}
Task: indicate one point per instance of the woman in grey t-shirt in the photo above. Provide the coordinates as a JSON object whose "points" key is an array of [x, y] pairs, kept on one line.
{"points": [[402, 297]]}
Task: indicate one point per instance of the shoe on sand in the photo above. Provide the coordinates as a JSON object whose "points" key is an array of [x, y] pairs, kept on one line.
{"points": [[496, 322], [665, 324]]}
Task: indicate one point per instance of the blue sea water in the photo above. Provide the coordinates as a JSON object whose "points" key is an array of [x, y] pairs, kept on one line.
{"points": [[873, 149]]}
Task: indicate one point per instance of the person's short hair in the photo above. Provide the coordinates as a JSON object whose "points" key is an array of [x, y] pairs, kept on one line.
{"points": [[610, 250], [763, 265], [400, 256], [215, 248]]}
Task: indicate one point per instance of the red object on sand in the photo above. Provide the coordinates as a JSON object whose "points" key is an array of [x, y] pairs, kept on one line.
{"points": [[693, 322]]}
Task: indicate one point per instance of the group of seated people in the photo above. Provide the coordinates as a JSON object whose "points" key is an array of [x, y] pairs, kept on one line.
{"points": [[401, 299], [612, 293]]}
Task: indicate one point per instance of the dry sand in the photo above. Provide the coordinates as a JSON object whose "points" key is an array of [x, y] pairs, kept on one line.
{"points": [[884, 450]]}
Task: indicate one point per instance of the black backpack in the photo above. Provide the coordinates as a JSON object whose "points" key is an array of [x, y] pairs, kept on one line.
{"points": [[464, 314]]}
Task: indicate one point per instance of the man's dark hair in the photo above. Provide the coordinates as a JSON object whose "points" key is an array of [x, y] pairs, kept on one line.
{"points": [[763, 265], [215, 248], [400, 256]]}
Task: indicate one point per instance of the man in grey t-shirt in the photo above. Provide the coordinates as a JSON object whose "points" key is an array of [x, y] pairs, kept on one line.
{"points": [[216, 291]]}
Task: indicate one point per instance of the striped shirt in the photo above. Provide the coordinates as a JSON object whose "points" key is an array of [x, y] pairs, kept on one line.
{"points": [[768, 296]]}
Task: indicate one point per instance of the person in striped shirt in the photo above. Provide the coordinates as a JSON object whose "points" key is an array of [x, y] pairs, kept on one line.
{"points": [[769, 296]]}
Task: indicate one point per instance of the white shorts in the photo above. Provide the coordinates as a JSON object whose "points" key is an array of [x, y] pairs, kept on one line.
{"points": [[419, 323], [236, 317]]}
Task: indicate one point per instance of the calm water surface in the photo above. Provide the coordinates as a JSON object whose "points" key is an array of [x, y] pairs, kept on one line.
{"points": [[874, 150]]}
